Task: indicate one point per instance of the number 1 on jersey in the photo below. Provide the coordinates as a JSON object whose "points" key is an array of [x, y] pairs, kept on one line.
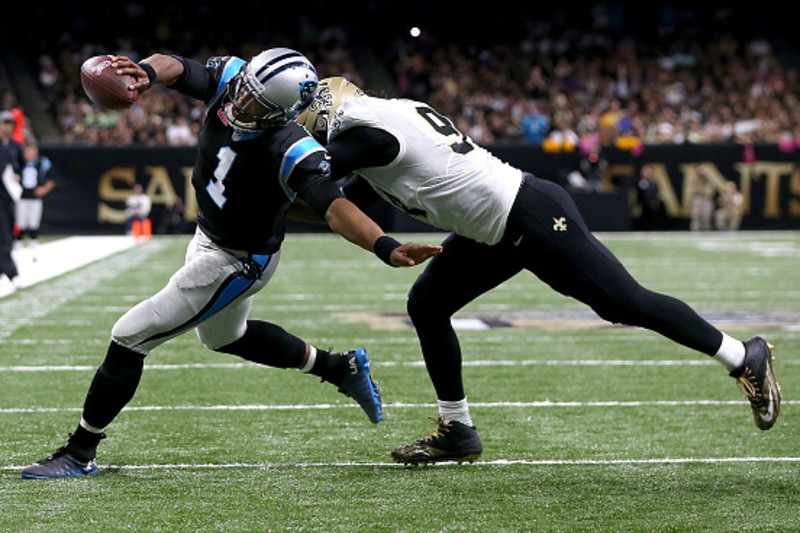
{"points": [[216, 187]]}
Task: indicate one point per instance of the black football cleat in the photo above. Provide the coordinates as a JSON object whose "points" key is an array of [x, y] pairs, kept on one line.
{"points": [[60, 465], [757, 382], [452, 441]]}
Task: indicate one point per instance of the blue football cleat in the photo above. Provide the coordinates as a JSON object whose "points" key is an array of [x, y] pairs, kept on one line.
{"points": [[360, 386], [60, 465]]}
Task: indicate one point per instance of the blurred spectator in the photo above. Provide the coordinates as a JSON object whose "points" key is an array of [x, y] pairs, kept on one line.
{"points": [[10, 149], [649, 198], [593, 167], [179, 132], [137, 210], [705, 81], [702, 202], [535, 125], [20, 132], [37, 182], [173, 220], [730, 207], [11, 162]]}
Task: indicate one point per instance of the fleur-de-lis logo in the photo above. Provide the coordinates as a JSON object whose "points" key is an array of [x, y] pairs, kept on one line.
{"points": [[560, 224]]}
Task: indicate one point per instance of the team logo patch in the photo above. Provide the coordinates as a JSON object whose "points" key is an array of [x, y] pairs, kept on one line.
{"points": [[325, 167], [307, 90], [560, 224], [322, 100]]}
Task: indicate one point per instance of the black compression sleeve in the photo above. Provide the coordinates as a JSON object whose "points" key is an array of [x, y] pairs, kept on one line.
{"points": [[321, 195], [357, 190], [194, 81], [361, 147]]}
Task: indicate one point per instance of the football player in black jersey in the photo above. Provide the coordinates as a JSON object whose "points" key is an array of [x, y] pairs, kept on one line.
{"points": [[10, 154], [253, 161]]}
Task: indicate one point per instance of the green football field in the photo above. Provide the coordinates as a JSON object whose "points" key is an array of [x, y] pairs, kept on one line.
{"points": [[586, 426]]}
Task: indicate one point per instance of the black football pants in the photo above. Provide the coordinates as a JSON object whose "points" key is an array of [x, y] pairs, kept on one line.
{"points": [[546, 235]]}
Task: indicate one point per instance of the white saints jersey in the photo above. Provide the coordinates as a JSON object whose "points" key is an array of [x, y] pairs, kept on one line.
{"points": [[439, 176]]}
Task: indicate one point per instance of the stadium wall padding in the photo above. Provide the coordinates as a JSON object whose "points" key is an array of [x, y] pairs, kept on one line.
{"points": [[93, 183]]}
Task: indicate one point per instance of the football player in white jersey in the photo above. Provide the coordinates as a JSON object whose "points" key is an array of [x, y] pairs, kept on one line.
{"points": [[503, 220]]}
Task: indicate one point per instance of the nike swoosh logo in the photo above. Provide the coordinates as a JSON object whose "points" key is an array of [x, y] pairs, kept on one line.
{"points": [[770, 410], [516, 243]]}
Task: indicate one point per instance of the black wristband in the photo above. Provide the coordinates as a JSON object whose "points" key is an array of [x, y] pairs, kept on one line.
{"points": [[151, 72], [383, 248]]}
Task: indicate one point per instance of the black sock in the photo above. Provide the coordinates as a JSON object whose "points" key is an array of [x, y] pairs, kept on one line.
{"points": [[330, 367], [113, 386], [83, 444], [267, 344]]}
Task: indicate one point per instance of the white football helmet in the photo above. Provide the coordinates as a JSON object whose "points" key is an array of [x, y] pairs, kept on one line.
{"points": [[270, 90], [331, 94]]}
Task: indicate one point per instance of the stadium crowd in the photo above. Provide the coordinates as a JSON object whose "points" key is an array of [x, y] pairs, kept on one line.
{"points": [[558, 85]]}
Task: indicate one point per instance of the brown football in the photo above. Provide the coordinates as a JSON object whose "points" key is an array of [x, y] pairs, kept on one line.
{"points": [[104, 86]]}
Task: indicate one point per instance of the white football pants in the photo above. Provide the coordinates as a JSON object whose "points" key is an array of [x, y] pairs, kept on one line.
{"points": [[211, 293]]}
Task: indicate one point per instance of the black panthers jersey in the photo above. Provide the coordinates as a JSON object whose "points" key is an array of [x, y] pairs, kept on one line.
{"points": [[34, 174], [245, 181]]}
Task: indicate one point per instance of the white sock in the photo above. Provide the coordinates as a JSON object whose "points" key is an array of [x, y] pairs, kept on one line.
{"points": [[730, 353], [455, 412], [312, 358]]}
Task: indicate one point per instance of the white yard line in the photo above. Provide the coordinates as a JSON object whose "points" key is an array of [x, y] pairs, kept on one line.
{"points": [[396, 405], [479, 464], [390, 364]]}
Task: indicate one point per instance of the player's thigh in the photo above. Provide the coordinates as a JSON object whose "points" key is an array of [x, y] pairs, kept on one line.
{"points": [[210, 282], [463, 271], [230, 323], [557, 246]]}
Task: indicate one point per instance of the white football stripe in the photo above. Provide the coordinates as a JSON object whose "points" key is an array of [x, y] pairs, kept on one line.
{"points": [[396, 405], [386, 364], [478, 464], [376, 364]]}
